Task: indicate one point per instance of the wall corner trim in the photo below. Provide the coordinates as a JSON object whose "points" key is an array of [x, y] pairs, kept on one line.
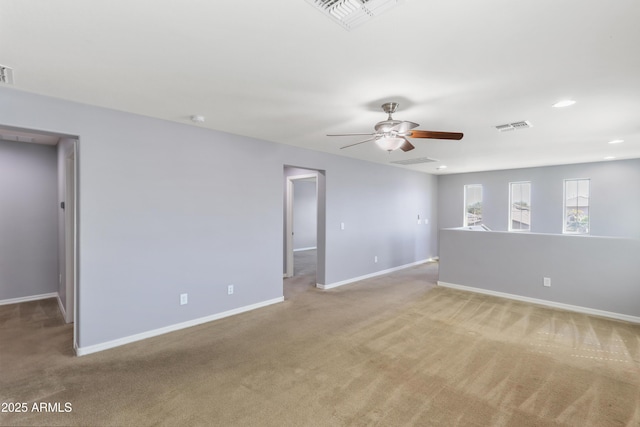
{"points": [[29, 298], [375, 274], [552, 304], [82, 351], [61, 306]]}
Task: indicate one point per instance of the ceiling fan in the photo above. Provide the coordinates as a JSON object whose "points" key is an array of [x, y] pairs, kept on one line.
{"points": [[392, 134]]}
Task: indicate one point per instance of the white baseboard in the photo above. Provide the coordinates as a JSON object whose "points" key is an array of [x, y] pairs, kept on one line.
{"points": [[27, 299], [375, 274], [553, 304], [304, 249], [82, 351], [61, 307]]}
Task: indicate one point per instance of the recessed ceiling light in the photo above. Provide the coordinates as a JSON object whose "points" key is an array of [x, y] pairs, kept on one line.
{"points": [[610, 158], [441, 167], [616, 141], [564, 103], [197, 118]]}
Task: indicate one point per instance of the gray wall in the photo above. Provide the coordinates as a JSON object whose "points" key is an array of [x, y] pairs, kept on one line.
{"points": [[379, 206], [615, 197], [163, 211], [586, 271], [601, 273], [28, 220], [304, 214]]}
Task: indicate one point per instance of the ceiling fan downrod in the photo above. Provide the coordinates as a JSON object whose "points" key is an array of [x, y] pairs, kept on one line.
{"points": [[390, 108]]}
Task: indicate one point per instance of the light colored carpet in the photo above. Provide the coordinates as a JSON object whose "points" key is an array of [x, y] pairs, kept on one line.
{"points": [[389, 351]]}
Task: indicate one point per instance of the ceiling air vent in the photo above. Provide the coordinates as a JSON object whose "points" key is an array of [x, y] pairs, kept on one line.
{"points": [[414, 161], [6, 75], [513, 126], [353, 13]]}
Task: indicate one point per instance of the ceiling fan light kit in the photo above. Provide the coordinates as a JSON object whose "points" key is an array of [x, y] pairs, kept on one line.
{"points": [[390, 144], [392, 134]]}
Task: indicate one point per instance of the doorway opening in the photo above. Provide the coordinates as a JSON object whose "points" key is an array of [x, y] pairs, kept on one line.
{"points": [[48, 167], [304, 228], [302, 218]]}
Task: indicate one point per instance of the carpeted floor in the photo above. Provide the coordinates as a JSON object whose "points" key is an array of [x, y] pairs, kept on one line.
{"points": [[393, 350]]}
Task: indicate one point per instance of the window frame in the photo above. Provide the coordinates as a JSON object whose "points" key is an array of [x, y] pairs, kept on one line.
{"points": [[465, 219], [510, 225], [564, 206]]}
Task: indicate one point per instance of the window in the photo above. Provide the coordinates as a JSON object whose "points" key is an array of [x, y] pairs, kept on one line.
{"points": [[472, 205], [576, 206], [519, 206]]}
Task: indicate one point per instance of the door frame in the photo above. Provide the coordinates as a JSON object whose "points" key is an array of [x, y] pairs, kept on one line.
{"points": [[71, 238]]}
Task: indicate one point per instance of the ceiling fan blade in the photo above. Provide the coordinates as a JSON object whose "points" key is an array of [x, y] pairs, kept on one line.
{"points": [[436, 135], [406, 145], [350, 134], [403, 127], [357, 143]]}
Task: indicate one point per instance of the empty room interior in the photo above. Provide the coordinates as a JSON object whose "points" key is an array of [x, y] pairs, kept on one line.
{"points": [[320, 213]]}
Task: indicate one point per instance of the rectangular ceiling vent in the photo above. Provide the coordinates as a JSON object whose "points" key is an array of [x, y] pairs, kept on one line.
{"points": [[513, 126], [414, 161], [353, 13], [6, 75]]}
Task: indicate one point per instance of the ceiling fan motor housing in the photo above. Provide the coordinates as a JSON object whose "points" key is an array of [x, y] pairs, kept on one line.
{"points": [[386, 125], [390, 108]]}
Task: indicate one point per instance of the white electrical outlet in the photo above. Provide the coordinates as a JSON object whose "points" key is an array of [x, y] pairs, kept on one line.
{"points": [[184, 298], [230, 290], [426, 221], [546, 282], [342, 226], [375, 259]]}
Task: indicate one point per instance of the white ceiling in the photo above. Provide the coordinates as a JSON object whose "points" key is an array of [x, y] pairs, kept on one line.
{"points": [[282, 71]]}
